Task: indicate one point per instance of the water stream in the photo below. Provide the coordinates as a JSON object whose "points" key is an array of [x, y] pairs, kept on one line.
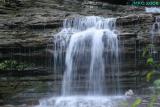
{"points": [[92, 63], [155, 31]]}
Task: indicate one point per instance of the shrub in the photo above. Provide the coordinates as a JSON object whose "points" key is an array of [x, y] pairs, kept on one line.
{"points": [[13, 65]]}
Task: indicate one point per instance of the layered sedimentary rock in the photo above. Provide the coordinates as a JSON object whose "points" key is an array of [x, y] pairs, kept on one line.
{"points": [[27, 30]]}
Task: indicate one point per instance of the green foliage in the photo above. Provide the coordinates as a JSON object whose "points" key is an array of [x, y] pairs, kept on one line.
{"points": [[150, 61], [146, 51], [136, 103], [157, 66], [153, 101], [123, 104], [149, 75], [13, 65], [156, 84]]}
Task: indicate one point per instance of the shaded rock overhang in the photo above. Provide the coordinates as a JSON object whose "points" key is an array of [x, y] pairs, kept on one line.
{"points": [[117, 2]]}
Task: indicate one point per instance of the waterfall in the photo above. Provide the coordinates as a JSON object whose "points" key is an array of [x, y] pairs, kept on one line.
{"points": [[152, 10], [155, 31], [89, 34], [91, 63], [155, 27]]}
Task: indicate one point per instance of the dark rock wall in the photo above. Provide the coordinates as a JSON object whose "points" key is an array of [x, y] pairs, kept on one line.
{"points": [[27, 28]]}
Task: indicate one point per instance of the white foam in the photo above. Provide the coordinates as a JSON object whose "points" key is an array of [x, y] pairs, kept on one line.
{"points": [[82, 101]]}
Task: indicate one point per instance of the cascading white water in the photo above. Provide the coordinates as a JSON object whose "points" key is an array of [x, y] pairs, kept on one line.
{"points": [[154, 32], [83, 101], [89, 34], [155, 27], [92, 63], [152, 10]]}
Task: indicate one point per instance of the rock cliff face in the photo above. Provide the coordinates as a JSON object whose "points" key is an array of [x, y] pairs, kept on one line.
{"points": [[27, 28], [30, 25]]}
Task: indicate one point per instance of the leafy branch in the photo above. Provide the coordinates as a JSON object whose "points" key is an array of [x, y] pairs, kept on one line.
{"points": [[13, 65]]}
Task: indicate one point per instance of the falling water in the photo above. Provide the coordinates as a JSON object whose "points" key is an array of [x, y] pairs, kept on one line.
{"points": [[152, 10], [91, 60], [89, 34], [155, 31], [155, 27]]}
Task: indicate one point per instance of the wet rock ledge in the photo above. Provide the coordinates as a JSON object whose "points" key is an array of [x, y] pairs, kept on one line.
{"points": [[27, 28]]}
